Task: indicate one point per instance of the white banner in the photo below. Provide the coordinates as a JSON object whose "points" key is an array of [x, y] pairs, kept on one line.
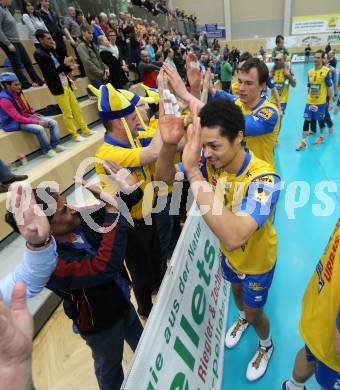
{"points": [[182, 346], [316, 24], [303, 40]]}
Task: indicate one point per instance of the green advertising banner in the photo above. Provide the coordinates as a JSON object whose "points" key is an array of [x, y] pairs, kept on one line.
{"points": [[182, 347]]}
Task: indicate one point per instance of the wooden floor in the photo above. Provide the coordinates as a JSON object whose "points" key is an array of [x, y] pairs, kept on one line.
{"points": [[62, 360]]}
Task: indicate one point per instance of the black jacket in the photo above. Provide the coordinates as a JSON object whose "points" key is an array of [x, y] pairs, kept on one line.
{"points": [[95, 285], [53, 25], [117, 75], [49, 70]]}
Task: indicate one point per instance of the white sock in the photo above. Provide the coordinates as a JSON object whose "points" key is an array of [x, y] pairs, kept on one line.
{"points": [[267, 342], [293, 385], [242, 314]]}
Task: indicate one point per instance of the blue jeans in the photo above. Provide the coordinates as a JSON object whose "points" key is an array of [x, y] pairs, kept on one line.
{"points": [[107, 349], [5, 173], [39, 132]]}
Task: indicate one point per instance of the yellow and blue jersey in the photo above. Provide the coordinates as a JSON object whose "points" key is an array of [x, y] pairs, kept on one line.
{"points": [[321, 302], [282, 86], [318, 81], [253, 190], [129, 157]]}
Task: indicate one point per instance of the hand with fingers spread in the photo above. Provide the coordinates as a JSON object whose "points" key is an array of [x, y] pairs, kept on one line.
{"points": [[16, 332], [176, 82], [192, 150], [122, 176], [171, 126], [31, 221]]}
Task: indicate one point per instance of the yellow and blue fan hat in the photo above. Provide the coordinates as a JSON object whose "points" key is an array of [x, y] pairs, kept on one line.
{"points": [[152, 93], [112, 104]]}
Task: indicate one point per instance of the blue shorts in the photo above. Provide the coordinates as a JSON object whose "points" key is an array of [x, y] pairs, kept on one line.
{"points": [[255, 287], [325, 376], [315, 112], [283, 107]]}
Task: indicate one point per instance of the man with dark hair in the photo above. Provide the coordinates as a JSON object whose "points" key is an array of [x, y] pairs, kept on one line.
{"points": [[279, 40], [56, 72], [247, 236], [11, 45], [90, 275], [54, 27], [319, 88], [95, 69]]}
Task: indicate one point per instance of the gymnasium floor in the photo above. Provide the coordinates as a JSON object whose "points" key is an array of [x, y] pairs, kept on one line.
{"points": [[301, 243]]}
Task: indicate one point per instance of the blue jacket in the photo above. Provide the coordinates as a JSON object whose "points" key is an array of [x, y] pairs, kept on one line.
{"points": [[6, 122]]}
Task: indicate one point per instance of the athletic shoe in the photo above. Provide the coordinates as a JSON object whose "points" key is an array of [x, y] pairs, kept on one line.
{"points": [[302, 145], [15, 178], [319, 140], [50, 154], [235, 332], [60, 148], [79, 138], [284, 385], [90, 132], [259, 363]]}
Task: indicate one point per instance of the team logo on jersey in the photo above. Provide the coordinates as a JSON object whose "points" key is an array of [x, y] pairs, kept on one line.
{"points": [[265, 113]]}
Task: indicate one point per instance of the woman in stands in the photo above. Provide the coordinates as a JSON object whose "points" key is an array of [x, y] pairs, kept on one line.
{"points": [[110, 55], [31, 18]]}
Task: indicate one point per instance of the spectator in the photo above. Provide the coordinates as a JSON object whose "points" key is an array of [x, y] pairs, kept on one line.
{"points": [[307, 53], [160, 57], [7, 178], [332, 58], [226, 49], [91, 278], [13, 48], [133, 50], [103, 22], [169, 58], [16, 114], [148, 70], [32, 20], [216, 45], [55, 73], [53, 25], [235, 57], [179, 62], [80, 18], [280, 48], [72, 31], [328, 48], [96, 29], [149, 48], [262, 52], [109, 54], [89, 56]]}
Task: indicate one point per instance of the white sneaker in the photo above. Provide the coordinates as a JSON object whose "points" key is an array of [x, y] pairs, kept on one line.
{"points": [[91, 132], [235, 332], [79, 138], [60, 148], [259, 363], [50, 154]]}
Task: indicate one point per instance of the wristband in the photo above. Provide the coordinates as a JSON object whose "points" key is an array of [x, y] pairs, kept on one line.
{"points": [[38, 246]]}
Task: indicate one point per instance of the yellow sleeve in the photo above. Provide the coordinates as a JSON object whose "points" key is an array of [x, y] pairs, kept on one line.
{"points": [[123, 156], [148, 133]]}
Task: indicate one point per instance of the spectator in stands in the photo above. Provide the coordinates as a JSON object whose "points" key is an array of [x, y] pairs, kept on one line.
{"points": [[235, 57], [13, 48], [328, 48], [226, 74], [179, 62], [262, 52], [307, 53], [216, 45], [96, 29], [149, 48], [17, 115], [169, 58], [55, 73], [148, 70], [54, 27], [103, 22], [7, 178], [72, 31], [91, 278], [95, 69], [32, 19], [332, 58], [160, 57], [109, 54], [80, 18], [133, 49]]}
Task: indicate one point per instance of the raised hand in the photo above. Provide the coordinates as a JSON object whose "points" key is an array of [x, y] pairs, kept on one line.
{"points": [[176, 82], [122, 176], [31, 220], [171, 126], [16, 332], [192, 150]]}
